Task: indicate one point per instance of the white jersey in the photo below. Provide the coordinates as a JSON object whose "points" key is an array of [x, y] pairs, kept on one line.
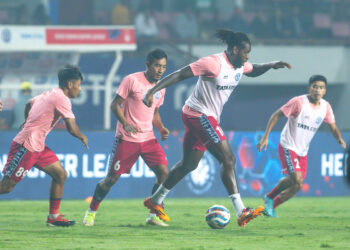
{"points": [[299, 131], [212, 92]]}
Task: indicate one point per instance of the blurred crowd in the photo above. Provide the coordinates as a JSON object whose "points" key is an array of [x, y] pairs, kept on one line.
{"points": [[197, 20]]}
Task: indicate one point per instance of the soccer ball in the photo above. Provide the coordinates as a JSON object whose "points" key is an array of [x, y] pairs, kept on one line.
{"points": [[217, 216]]}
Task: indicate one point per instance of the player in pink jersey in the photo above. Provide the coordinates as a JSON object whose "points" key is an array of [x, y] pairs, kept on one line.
{"points": [[305, 114], [218, 76], [134, 132], [28, 148]]}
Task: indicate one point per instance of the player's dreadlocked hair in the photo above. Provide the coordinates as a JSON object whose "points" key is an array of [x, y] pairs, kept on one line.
{"points": [[232, 38]]}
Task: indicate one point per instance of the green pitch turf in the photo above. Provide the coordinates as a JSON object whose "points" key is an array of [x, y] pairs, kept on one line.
{"points": [[303, 223]]}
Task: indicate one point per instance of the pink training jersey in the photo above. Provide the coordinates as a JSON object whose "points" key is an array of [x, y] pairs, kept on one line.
{"points": [[132, 89], [304, 119], [46, 110], [217, 80]]}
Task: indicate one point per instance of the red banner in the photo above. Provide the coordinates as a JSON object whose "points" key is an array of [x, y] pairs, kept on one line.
{"points": [[83, 36]]}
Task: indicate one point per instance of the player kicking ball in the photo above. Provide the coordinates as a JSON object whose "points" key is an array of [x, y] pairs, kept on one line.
{"points": [[134, 133], [28, 148], [305, 115], [219, 74]]}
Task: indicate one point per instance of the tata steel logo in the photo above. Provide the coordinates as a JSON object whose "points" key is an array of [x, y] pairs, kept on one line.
{"points": [[6, 35], [202, 178]]}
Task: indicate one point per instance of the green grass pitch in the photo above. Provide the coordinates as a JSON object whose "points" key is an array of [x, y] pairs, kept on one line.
{"points": [[303, 223]]}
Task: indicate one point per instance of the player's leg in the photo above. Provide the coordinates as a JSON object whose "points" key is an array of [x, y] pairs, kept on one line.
{"points": [[223, 153], [19, 162], [48, 162], [297, 183], [161, 172], [188, 163], [124, 155], [6, 185], [295, 167], [59, 176], [193, 151]]}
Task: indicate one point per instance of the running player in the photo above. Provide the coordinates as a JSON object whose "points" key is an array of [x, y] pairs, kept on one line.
{"points": [[28, 148], [219, 74], [305, 115], [134, 132]]}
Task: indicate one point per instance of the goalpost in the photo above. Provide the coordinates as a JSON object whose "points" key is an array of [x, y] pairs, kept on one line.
{"points": [[71, 41]]}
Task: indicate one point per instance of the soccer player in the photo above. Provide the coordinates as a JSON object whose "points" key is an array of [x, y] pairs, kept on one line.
{"points": [[219, 74], [28, 148], [134, 133], [305, 115]]}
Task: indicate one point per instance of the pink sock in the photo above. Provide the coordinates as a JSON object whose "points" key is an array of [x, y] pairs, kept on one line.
{"points": [[277, 201], [273, 193], [54, 206]]}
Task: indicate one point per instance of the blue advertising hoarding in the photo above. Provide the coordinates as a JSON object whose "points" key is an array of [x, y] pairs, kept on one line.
{"points": [[257, 172]]}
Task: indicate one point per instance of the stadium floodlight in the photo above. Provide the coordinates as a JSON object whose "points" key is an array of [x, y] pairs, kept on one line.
{"points": [[72, 39]]}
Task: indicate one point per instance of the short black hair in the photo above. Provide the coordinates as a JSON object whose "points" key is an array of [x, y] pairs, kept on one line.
{"points": [[68, 73], [155, 54], [316, 78]]}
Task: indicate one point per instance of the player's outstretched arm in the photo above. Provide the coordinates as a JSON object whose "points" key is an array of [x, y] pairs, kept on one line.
{"points": [[26, 112], [259, 69], [157, 122], [74, 130], [117, 111], [271, 123], [169, 80], [337, 135]]}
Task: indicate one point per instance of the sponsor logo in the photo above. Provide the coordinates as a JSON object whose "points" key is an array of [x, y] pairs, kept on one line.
{"points": [[113, 34], [6, 35], [306, 127], [200, 180], [226, 87]]}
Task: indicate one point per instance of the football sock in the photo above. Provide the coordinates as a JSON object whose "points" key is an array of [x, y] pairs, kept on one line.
{"points": [[54, 206], [159, 195], [237, 204], [99, 195], [273, 193], [154, 189], [277, 201]]}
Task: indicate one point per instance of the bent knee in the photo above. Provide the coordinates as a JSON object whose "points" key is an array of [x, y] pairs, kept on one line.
{"points": [[6, 188], [230, 161]]}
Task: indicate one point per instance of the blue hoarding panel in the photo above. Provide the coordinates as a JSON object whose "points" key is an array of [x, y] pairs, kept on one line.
{"points": [[257, 172]]}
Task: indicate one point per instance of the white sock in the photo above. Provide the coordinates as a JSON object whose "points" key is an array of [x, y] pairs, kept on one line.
{"points": [[91, 211], [152, 215], [159, 195], [53, 216], [237, 204]]}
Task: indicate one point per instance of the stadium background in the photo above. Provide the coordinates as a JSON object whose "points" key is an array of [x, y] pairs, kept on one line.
{"points": [[313, 36]]}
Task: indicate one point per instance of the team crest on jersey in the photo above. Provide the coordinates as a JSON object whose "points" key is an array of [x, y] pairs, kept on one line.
{"points": [[237, 77], [319, 120], [157, 95]]}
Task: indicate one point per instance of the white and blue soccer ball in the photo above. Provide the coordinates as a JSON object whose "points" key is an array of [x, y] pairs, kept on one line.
{"points": [[217, 216]]}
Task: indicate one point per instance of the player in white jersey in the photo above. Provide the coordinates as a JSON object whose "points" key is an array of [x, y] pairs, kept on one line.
{"points": [[218, 76], [305, 115]]}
